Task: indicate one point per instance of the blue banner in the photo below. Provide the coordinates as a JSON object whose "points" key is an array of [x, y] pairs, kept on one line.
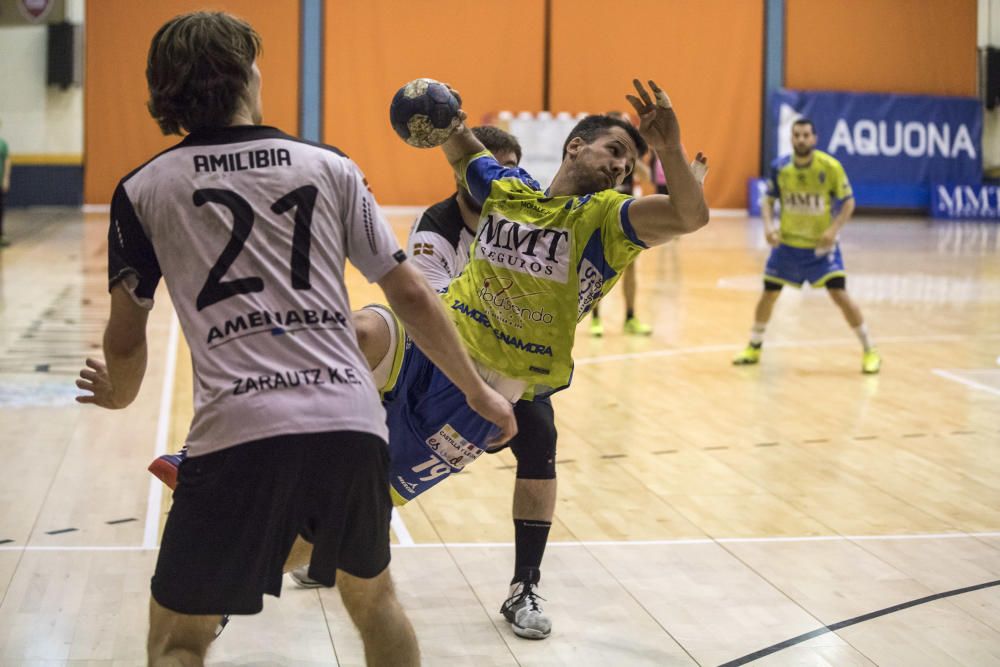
{"points": [[893, 147], [965, 202]]}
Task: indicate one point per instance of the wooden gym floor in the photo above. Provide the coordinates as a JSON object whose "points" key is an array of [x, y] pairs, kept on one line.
{"points": [[797, 512]]}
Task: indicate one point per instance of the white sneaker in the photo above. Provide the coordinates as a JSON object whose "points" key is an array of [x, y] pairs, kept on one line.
{"points": [[525, 614], [300, 576]]}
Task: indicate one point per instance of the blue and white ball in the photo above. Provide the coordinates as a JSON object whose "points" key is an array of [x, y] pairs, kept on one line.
{"points": [[424, 113]]}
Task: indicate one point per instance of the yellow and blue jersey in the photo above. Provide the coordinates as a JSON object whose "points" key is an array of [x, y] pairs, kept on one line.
{"points": [[538, 264], [808, 195]]}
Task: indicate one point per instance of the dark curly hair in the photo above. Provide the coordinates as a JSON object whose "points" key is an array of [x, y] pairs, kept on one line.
{"points": [[496, 140], [198, 70], [592, 127]]}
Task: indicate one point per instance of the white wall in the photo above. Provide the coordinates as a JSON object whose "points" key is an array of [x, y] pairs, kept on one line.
{"points": [[37, 119]]}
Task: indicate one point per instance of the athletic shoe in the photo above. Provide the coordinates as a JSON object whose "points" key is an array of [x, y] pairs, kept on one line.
{"points": [[871, 362], [634, 327], [596, 328], [748, 357], [524, 613], [164, 468], [300, 576]]}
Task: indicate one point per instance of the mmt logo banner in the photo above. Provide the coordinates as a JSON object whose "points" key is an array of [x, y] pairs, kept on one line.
{"points": [[965, 202], [893, 147]]}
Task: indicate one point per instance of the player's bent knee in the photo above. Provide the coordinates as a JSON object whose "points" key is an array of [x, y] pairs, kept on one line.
{"points": [[534, 446]]}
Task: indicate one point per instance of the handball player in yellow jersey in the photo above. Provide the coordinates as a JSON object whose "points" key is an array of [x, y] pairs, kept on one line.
{"points": [[816, 202]]}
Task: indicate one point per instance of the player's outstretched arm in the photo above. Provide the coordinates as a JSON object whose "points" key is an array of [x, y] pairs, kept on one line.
{"points": [[116, 384], [658, 218], [426, 322]]}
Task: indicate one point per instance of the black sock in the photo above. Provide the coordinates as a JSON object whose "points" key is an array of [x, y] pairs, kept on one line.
{"points": [[530, 537], [629, 313]]}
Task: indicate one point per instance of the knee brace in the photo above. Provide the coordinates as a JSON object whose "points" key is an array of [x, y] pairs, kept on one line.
{"points": [[534, 446]]}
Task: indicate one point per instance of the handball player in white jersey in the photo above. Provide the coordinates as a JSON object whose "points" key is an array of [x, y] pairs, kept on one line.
{"points": [[249, 229]]}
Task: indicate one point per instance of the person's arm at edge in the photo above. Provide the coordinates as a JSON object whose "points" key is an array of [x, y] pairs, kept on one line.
{"points": [[423, 315], [772, 233], [117, 381]]}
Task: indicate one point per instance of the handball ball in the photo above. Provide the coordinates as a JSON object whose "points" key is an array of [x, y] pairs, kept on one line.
{"points": [[424, 113]]}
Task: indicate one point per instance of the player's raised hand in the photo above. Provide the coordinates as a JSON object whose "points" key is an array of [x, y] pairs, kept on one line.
{"points": [[657, 121], [699, 167], [95, 379]]}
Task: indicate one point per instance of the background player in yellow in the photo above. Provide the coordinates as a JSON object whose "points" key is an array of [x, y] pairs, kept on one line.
{"points": [[816, 202]]}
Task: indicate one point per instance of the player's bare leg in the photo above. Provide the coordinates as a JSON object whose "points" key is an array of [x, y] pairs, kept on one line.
{"points": [[534, 499], [178, 639], [385, 630], [765, 306], [871, 361], [761, 316], [847, 306]]}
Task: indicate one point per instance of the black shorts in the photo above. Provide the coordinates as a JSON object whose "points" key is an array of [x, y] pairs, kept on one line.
{"points": [[837, 282], [237, 512]]}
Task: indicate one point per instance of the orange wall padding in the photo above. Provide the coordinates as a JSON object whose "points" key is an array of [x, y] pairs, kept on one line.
{"points": [[491, 52], [882, 46], [119, 133], [707, 55]]}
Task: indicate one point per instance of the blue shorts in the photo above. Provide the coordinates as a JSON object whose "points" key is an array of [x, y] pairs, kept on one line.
{"points": [[794, 266], [433, 432]]}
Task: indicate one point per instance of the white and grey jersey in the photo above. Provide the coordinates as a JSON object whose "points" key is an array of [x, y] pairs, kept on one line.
{"points": [[250, 229], [439, 243]]}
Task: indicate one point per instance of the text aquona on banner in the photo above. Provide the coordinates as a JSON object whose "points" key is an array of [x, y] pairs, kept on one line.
{"points": [[893, 147]]}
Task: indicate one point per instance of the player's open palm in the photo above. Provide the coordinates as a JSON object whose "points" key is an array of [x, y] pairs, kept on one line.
{"points": [[96, 380], [657, 121]]}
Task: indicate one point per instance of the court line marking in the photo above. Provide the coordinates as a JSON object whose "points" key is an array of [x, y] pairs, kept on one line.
{"points": [[700, 349], [398, 527], [948, 375], [154, 500], [587, 543], [774, 648]]}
